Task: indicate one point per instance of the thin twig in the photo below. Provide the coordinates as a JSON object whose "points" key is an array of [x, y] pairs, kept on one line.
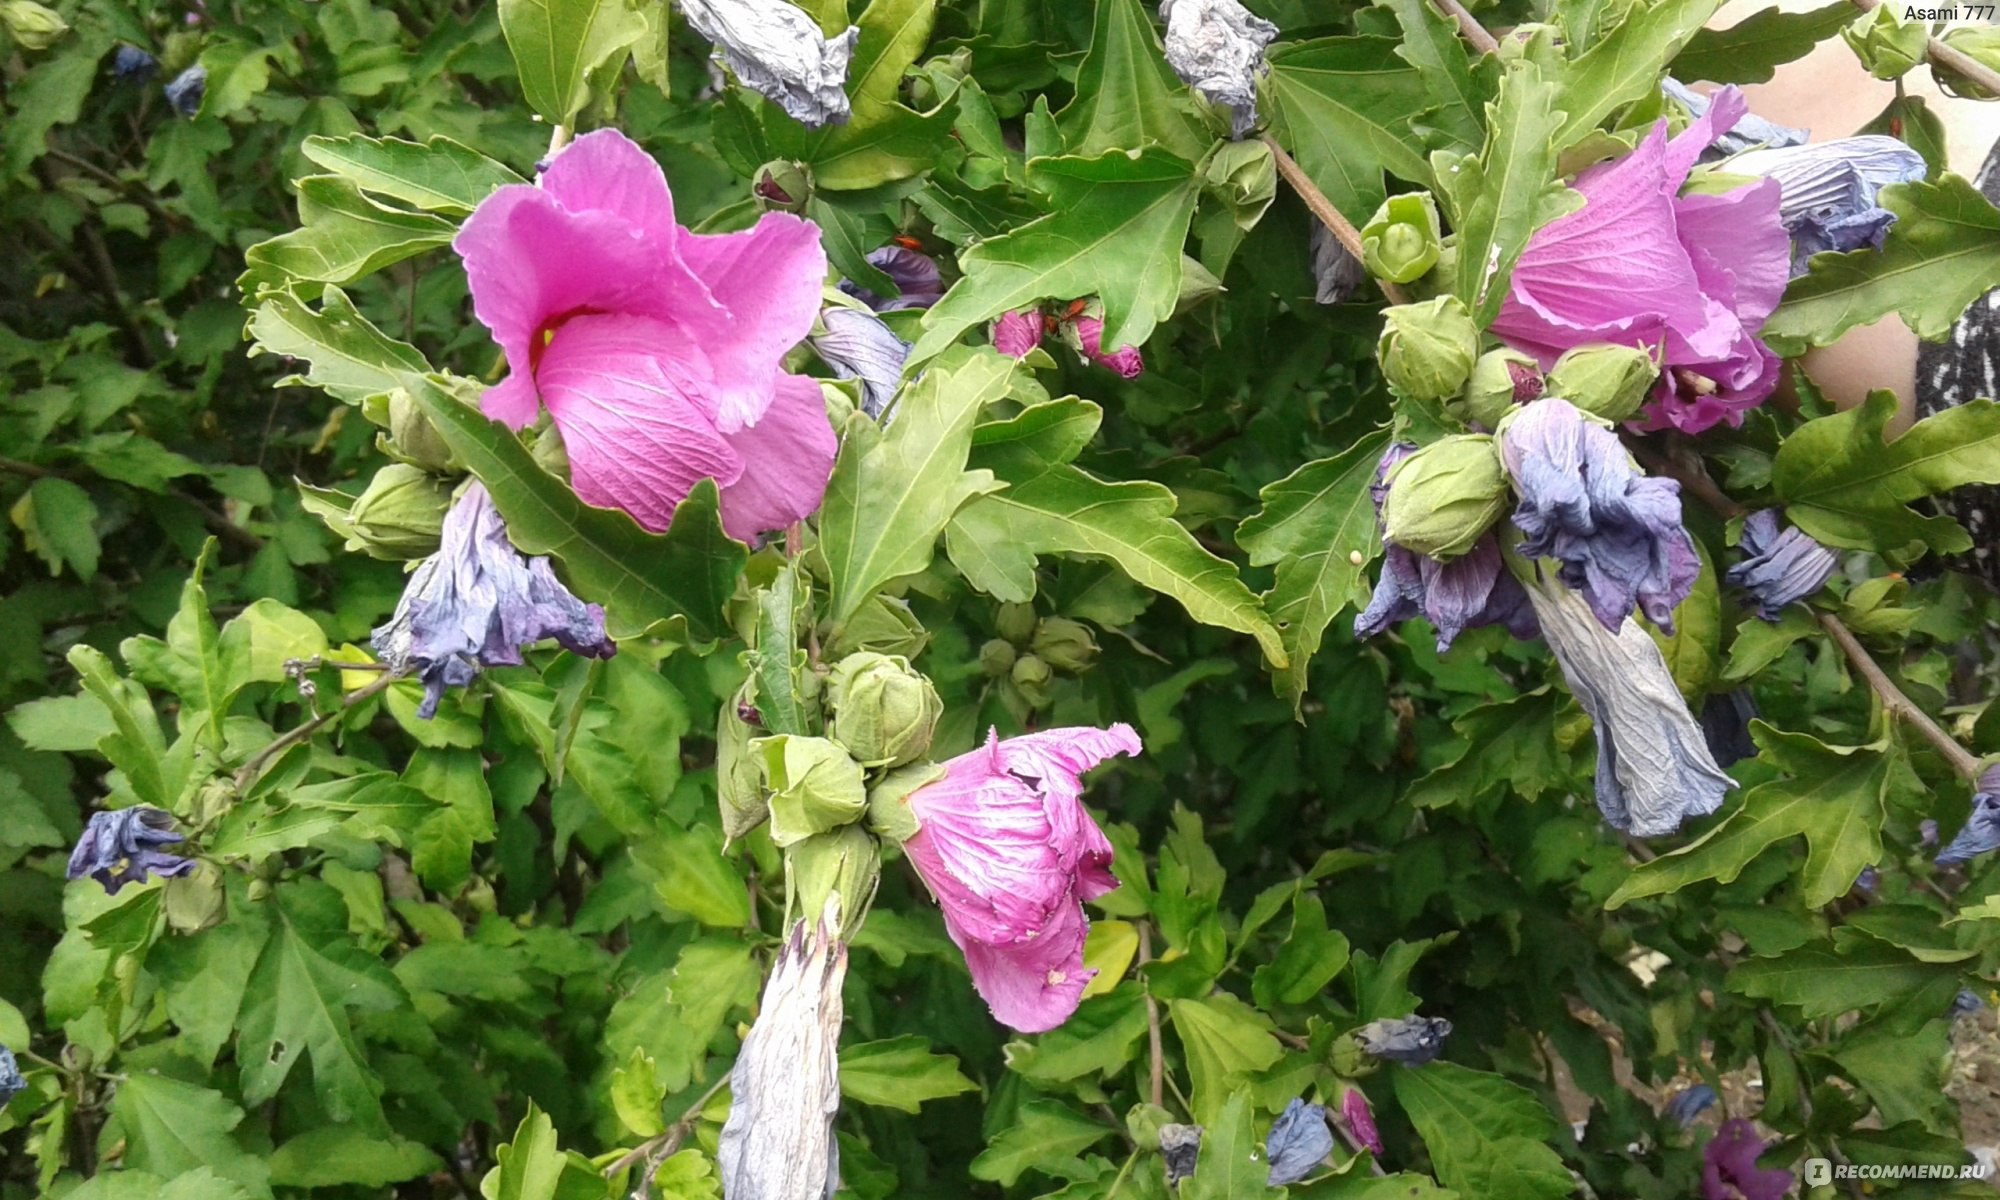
{"points": [[659, 1148], [1895, 703], [1317, 203], [1469, 28], [1355, 1147], [286, 741], [1156, 1055], [1949, 58]]}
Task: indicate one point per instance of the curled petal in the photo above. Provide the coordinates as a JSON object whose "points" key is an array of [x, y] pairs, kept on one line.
{"points": [[123, 846], [1125, 361], [1299, 1142], [1729, 1169], [777, 51], [857, 345], [787, 456], [1016, 333], [1034, 984], [1779, 567]]}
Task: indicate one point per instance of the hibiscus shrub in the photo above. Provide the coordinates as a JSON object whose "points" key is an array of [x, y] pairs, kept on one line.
{"points": [[930, 598]]}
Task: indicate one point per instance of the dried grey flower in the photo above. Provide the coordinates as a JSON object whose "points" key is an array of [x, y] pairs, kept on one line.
{"points": [[1217, 48], [776, 50]]}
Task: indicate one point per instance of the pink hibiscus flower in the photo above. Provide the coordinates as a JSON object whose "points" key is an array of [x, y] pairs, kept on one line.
{"points": [[1692, 277], [656, 351], [1004, 844]]}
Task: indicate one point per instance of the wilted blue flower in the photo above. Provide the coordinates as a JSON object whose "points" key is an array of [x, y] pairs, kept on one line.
{"points": [[1689, 1103], [1966, 1003], [1828, 190], [122, 847], [1616, 532], [915, 274], [1779, 566], [1653, 765], [477, 602], [1749, 132], [1982, 829], [11, 1082], [1412, 1041], [129, 64], [777, 51], [1300, 1140], [1473, 590], [1927, 832], [1867, 881], [1180, 1149], [1725, 726], [857, 345], [184, 91]]}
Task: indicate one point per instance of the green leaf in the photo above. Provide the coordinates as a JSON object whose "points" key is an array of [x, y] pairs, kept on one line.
{"points": [[900, 1073], [1431, 43], [1910, 118], [158, 776], [1903, 1073], [1692, 650], [438, 175], [1045, 1134], [893, 491], [189, 662], [1845, 487], [1824, 982], [1116, 228], [883, 139], [776, 660], [297, 1003], [1231, 1164], [1625, 65], [1833, 796], [646, 581], [61, 723], [1127, 97], [1486, 1135], [558, 43], [1308, 960], [1343, 107], [345, 355], [346, 1154], [534, 1167], [343, 236], [1498, 200], [1509, 744], [691, 876], [1751, 50], [1227, 1042], [637, 1094], [1052, 507], [58, 523], [169, 1127], [1942, 253], [1313, 525], [1098, 1039]]}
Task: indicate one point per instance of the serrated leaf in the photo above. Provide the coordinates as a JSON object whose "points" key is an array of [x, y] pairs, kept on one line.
{"points": [[1910, 119], [437, 175], [1127, 97], [158, 775], [1431, 43], [776, 661], [169, 1127], [1343, 108], [558, 43], [346, 356], [643, 580], [1307, 961], [893, 491], [883, 139], [1509, 743], [1227, 1042], [1045, 1134], [1625, 65], [1231, 1164], [1312, 526], [344, 1154], [900, 1073], [1751, 50], [1052, 507], [1098, 1039], [637, 1094], [1824, 982], [1942, 253], [1845, 485], [58, 523], [342, 236], [1486, 1135], [1835, 797], [1116, 228]]}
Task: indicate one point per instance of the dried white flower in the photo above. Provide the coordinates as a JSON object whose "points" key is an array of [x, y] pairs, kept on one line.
{"points": [[1217, 48], [776, 50]]}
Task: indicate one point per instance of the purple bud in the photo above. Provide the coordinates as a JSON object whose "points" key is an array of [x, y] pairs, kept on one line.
{"points": [[1412, 1041], [1779, 567], [121, 847], [1360, 1121], [1299, 1142], [915, 274], [1689, 1103]]}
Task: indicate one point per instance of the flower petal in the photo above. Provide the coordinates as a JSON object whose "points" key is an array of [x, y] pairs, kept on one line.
{"points": [[767, 279], [786, 459], [1034, 985], [605, 171]]}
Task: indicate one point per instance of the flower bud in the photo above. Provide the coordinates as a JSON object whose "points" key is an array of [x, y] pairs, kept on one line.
{"points": [[889, 812], [401, 514], [846, 863], [1016, 622], [413, 439], [884, 712], [815, 787], [33, 25], [739, 775], [1445, 495], [1403, 239], [782, 186], [1032, 676], [1143, 1123], [1500, 379], [1980, 43], [195, 901], [1885, 43], [996, 658], [932, 83], [1605, 381], [1427, 349], [1065, 645]]}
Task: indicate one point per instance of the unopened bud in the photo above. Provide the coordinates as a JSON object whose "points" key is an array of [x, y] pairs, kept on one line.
{"points": [[194, 901], [1606, 381], [1445, 495], [1032, 676], [996, 658], [1403, 239], [884, 711], [782, 186], [739, 775], [846, 863], [413, 439], [1016, 622], [1885, 43], [1500, 379], [814, 786], [1065, 645], [401, 514], [1427, 349], [33, 25], [883, 624]]}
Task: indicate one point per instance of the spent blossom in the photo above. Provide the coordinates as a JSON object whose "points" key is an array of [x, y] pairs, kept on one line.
{"points": [[1729, 1169], [857, 345], [1217, 48], [1299, 1142], [915, 274], [1981, 832], [1005, 845], [1689, 1103], [1779, 567], [1828, 190], [123, 846], [776, 50], [1750, 131], [657, 352], [1412, 1041], [12, 1083], [184, 91]]}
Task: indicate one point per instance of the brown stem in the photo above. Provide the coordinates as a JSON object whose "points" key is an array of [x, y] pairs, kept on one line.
{"points": [[249, 771], [1329, 216], [1157, 1078], [1945, 56], [1895, 703], [656, 1150], [1469, 27]]}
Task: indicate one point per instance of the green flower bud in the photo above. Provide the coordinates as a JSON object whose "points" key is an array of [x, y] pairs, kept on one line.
{"points": [[782, 186], [814, 786], [1885, 43], [1608, 381], [1143, 1122], [413, 439], [1032, 676], [846, 863], [937, 79], [1500, 380], [1980, 43], [884, 711], [996, 658], [401, 514], [1016, 622], [889, 814], [1403, 239], [194, 901], [33, 25], [1445, 495], [883, 624], [739, 772], [1244, 176], [1065, 645], [1427, 349]]}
